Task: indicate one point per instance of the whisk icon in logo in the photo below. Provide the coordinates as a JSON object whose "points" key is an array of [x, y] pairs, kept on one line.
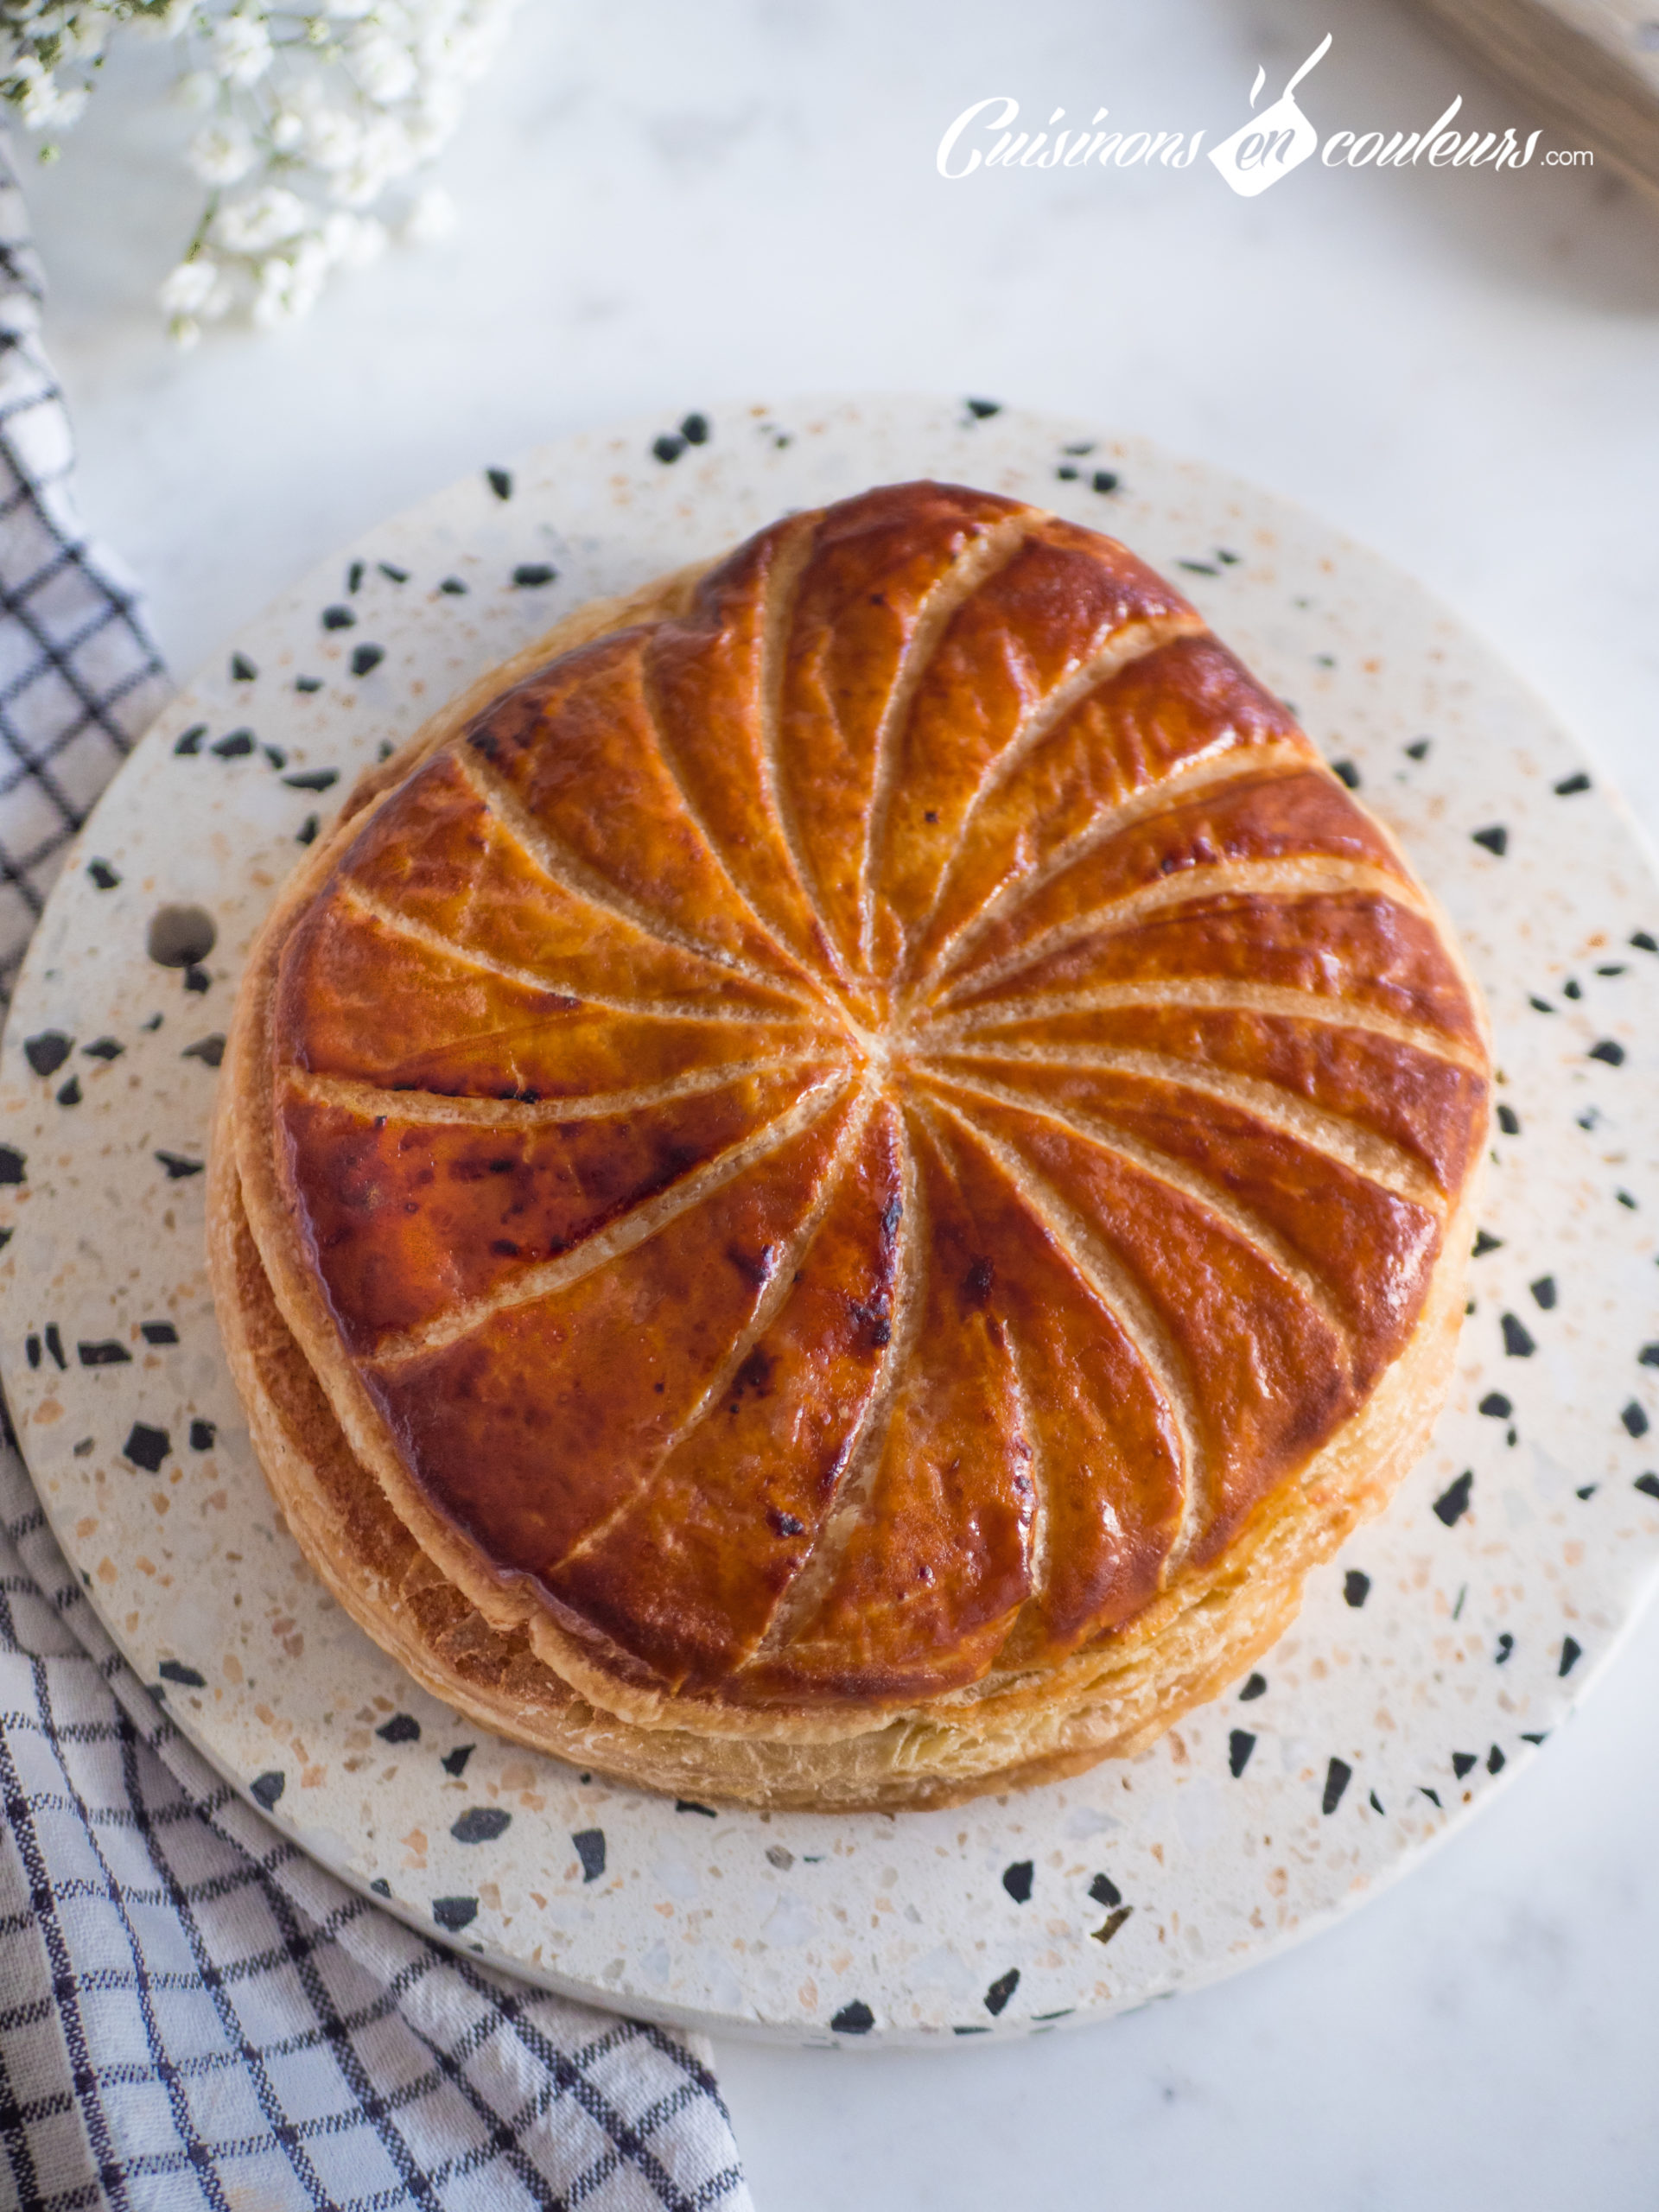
{"points": [[1275, 142]]}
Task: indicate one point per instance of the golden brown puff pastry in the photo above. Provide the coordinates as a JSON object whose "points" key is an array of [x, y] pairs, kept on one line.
{"points": [[830, 1189]]}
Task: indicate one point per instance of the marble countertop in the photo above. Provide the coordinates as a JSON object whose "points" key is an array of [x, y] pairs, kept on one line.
{"points": [[666, 208]]}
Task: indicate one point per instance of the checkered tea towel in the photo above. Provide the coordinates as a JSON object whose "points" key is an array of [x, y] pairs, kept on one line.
{"points": [[191, 2012]]}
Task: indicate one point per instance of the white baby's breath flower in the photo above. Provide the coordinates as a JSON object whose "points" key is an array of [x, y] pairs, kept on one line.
{"points": [[432, 217], [383, 68], [352, 241], [169, 22], [384, 155], [187, 288], [288, 287], [222, 153], [261, 221], [84, 37], [241, 48], [334, 138], [47, 105], [363, 93], [197, 89]]}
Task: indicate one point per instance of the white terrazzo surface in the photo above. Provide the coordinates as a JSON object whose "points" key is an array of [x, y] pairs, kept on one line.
{"points": [[1457, 369]]}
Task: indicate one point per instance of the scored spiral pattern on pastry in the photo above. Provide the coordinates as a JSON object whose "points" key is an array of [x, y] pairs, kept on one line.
{"points": [[850, 1132]]}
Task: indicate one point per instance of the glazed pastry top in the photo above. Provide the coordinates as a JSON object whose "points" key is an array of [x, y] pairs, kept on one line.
{"points": [[850, 1132]]}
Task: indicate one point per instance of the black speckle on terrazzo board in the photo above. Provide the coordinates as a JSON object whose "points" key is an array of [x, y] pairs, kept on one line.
{"points": [[1017, 1879], [1255, 1687], [1544, 1292], [108, 1352], [481, 1824], [189, 1678], [1355, 1587], [1337, 1775], [402, 1728], [1647, 1484], [1240, 1744], [453, 1914], [1464, 1762], [54, 1345], [1517, 1343], [268, 1788], [46, 1054], [1572, 1652], [105, 877], [147, 1447], [590, 1847], [1453, 1502], [997, 1996], [853, 2019], [454, 1762], [1496, 839], [202, 1435], [180, 937], [1105, 1891]]}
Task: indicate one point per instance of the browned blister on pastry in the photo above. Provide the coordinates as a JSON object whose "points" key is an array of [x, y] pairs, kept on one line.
{"points": [[853, 1170]]}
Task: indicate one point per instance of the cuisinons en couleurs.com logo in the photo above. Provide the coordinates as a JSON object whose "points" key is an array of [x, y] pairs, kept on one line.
{"points": [[1266, 146]]}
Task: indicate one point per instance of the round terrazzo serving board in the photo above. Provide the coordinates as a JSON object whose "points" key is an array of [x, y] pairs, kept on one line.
{"points": [[1431, 1660]]}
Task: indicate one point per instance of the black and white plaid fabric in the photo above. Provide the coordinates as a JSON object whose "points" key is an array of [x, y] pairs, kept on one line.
{"points": [[191, 2012], [79, 675]]}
